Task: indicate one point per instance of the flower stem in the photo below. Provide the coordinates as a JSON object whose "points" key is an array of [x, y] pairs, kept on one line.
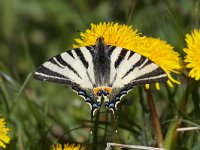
{"points": [[155, 119]]}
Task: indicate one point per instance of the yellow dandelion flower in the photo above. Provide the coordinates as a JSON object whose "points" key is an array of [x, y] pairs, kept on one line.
{"points": [[113, 34], [4, 138], [162, 54], [68, 147], [192, 54], [124, 36]]}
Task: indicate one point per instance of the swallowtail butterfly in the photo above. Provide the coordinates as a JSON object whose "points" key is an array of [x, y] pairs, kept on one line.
{"points": [[100, 72]]}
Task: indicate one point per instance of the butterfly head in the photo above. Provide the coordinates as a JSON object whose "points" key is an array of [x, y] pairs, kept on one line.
{"points": [[100, 44]]}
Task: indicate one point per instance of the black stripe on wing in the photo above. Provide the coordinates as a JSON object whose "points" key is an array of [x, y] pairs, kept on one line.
{"points": [[47, 71], [70, 53], [120, 58], [81, 56], [91, 49], [111, 49], [137, 64], [60, 60], [65, 63], [154, 73], [154, 76], [146, 63], [53, 61], [147, 81], [131, 54], [45, 74]]}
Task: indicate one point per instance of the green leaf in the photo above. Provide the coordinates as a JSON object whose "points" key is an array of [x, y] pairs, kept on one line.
{"points": [[170, 140]]}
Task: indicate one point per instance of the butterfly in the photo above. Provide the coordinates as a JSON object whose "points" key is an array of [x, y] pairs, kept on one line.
{"points": [[100, 73]]}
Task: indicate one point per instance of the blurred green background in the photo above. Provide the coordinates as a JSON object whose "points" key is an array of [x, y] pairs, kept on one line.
{"points": [[40, 114]]}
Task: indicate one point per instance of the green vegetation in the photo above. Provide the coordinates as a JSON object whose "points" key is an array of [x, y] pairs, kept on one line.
{"points": [[40, 114]]}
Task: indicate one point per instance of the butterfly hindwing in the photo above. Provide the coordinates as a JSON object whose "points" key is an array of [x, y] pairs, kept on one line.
{"points": [[89, 99]]}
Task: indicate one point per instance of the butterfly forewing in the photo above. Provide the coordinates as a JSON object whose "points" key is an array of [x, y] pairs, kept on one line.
{"points": [[132, 69], [71, 67]]}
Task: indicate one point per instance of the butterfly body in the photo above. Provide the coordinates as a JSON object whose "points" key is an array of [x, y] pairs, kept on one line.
{"points": [[100, 72], [101, 63]]}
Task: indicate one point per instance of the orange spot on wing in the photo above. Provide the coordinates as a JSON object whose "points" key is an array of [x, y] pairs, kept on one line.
{"points": [[109, 89], [96, 90]]}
